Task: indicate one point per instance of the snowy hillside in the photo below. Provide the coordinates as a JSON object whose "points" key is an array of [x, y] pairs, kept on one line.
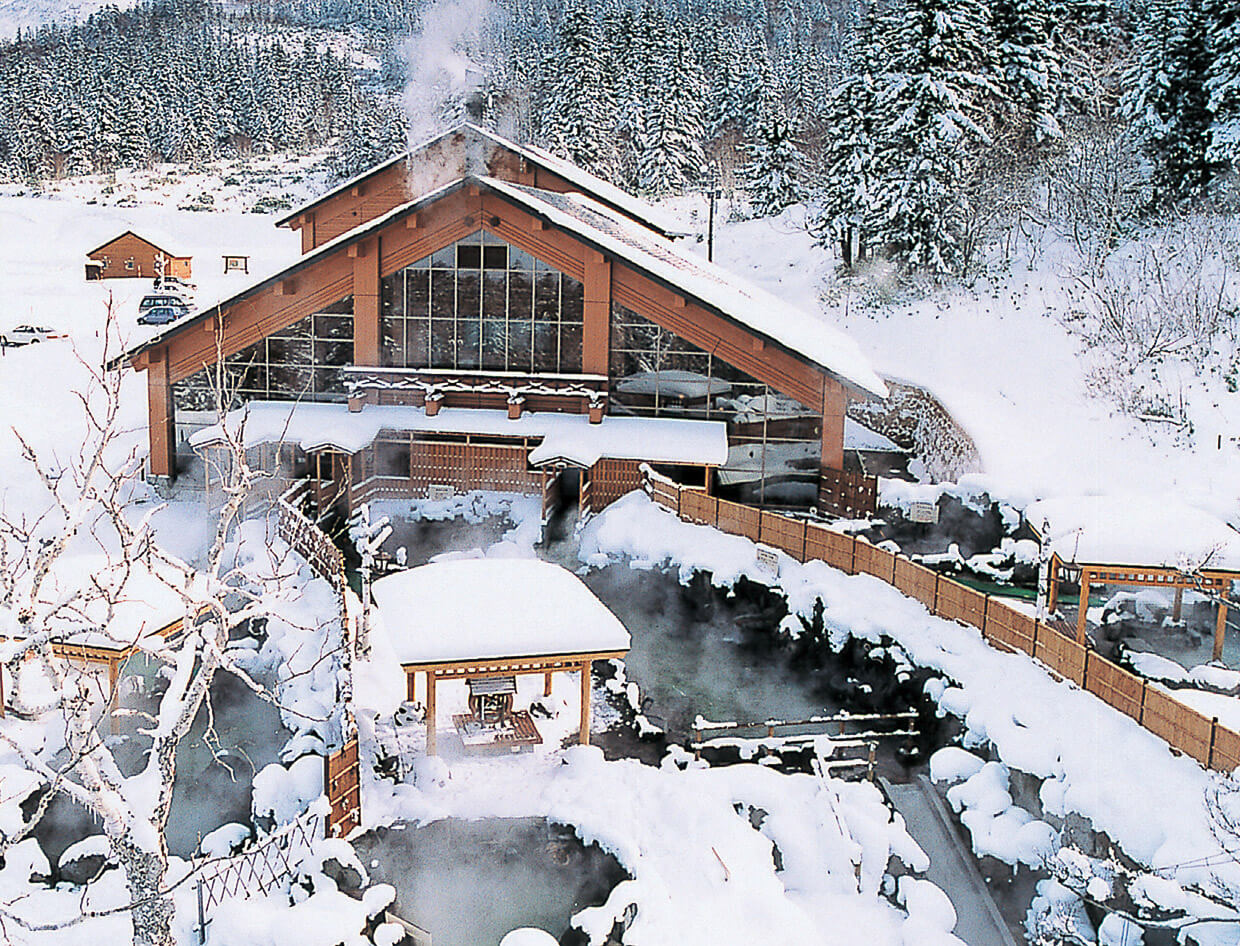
{"points": [[1000, 358], [30, 14]]}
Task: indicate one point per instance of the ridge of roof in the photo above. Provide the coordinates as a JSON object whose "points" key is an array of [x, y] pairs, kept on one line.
{"points": [[589, 182]]}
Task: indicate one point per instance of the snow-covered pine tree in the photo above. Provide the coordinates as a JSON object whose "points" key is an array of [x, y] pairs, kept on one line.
{"points": [[1223, 83], [848, 182], [1029, 66], [772, 177], [929, 129], [1167, 99], [670, 156], [578, 103]]}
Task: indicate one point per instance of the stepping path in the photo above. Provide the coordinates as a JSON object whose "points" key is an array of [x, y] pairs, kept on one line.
{"points": [[952, 866]]}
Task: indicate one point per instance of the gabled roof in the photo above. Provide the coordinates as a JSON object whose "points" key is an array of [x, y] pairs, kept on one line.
{"points": [[801, 334], [475, 163], [160, 242]]}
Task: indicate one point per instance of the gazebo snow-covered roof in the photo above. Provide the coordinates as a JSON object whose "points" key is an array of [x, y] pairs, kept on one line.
{"points": [[1136, 529], [1137, 539], [476, 618], [491, 609]]}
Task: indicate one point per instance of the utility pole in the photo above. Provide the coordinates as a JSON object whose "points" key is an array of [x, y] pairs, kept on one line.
{"points": [[713, 193]]}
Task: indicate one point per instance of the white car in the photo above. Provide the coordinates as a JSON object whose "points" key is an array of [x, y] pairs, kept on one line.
{"points": [[30, 334], [174, 284]]}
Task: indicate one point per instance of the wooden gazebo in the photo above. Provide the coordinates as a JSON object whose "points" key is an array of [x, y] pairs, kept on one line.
{"points": [[1129, 540], [478, 619]]}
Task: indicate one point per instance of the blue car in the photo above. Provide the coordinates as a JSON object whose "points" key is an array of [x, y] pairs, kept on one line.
{"points": [[162, 314]]}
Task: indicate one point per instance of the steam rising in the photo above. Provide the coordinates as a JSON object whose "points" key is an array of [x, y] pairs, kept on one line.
{"points": [[450, 59]]}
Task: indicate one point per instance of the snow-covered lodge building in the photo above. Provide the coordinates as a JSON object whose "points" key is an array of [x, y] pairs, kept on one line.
{"points": [[482, 314]]}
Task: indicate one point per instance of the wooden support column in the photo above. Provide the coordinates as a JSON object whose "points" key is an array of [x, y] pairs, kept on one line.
{"points": [[1082, 607], [161, 415], [430, 712], [365, 302], [307, 234], [1052, 598], [113, 676], [546, 685], [1177, 609], [596, 332], [834, 404], [411, 685], [1220, 626], [583, 737]]}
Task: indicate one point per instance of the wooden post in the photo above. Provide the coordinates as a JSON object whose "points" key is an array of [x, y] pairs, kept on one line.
{"points": [[411, 685], [1220, 626], [1177, 609], [366, 305], [430, 712], [834, 405], [547, 683], [583, 737], [161, 415], [1052, 600], [113, 676], [1082, 607], [596, 334]]}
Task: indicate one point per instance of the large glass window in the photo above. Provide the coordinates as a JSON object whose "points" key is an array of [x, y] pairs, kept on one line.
{"points": [[300, 362], [774, 441], [482, 304]]}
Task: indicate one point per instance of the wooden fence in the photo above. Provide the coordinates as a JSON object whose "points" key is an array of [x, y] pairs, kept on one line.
{"points": [[1185, 730]]}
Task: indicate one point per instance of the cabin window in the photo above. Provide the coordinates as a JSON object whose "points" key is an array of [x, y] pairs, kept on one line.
{"points": [[482, 304], [774, 441], [129, 263], [301, 361]]}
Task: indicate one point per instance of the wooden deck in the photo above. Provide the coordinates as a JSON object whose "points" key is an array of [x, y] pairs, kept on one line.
{"points": [[522, 735]]}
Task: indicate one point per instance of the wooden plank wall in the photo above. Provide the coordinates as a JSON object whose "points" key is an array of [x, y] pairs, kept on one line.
{"points": [[1002, 625]]}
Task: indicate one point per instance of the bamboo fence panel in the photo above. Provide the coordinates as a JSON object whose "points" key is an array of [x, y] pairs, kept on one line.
{"points": [[1064, 656], [699, 507], [1183, 727], [917, 581], [834, 548], [1114, 686], [958, 603], [871, 560], [739, 520], [783, 533], [1226, 754], [1009, 627]]}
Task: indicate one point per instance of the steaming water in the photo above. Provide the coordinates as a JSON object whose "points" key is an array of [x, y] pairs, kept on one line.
{"points": [[688, 663], [470, 882], [424, 539], [214, 775]]}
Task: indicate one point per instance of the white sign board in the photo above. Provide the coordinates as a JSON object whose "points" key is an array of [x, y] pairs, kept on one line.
{"points": [[438, 492], [768, 561], [923, 512]]}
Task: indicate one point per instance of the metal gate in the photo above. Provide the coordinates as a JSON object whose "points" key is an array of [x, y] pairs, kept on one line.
{"points": [[344, 790]]}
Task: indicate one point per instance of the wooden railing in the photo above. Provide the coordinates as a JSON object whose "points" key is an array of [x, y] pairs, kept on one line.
{"points": [[1185, 729], [310, 542]]}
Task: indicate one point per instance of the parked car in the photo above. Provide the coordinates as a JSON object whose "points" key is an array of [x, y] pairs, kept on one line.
{"points": [[163, 314], [174, 284], [165, 298], [30, 335]]}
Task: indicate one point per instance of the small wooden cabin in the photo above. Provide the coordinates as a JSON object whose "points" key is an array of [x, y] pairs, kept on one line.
{"points": [[130, 256]]}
